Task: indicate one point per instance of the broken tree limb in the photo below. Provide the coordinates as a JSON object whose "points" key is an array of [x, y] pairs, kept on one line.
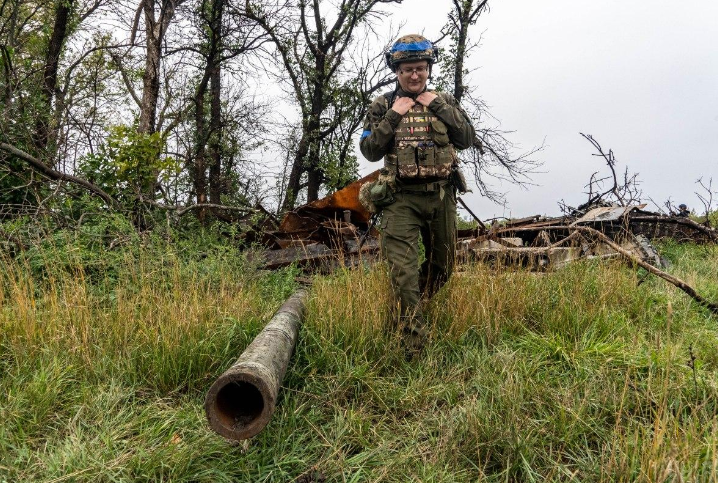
{"points": [[181, 210], [481, 223], [647, 266], [563, 241], [241, 401], [38, 165]]}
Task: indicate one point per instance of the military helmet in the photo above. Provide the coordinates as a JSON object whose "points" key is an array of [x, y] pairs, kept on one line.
{"points": [[683, 206], [411, 48]]}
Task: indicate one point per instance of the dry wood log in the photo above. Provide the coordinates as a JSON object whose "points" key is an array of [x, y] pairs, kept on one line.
{"points": [[710, 233]]}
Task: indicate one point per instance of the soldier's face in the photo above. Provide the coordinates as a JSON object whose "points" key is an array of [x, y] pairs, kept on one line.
{"points": [[413, 76]]}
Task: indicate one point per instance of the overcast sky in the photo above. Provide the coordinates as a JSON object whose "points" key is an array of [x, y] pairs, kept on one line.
{"points": [[640, 76]]}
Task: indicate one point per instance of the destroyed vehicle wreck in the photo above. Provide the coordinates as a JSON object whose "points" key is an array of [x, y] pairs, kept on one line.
{"points": [[537, 242], [337, 230]]}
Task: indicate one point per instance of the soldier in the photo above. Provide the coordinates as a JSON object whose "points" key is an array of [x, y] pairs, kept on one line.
{"points": [[683, 211], [416, 131]]}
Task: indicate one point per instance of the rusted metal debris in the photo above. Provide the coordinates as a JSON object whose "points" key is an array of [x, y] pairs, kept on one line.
{"points": [[603, 232], [538, 242], [325, 234]]}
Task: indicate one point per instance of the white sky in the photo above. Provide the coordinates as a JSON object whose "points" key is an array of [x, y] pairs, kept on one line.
{"points": [[640, 76]]}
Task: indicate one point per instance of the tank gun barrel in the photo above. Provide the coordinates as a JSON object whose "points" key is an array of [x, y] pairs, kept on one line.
{"points": [[242, 400]]}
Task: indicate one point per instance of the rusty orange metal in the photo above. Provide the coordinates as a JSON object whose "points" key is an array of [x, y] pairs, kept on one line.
{"points": [[308, 217]]}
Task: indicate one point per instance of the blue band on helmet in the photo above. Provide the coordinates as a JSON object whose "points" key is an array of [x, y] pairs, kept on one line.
{"points": [[365, 134], [418, 46]]}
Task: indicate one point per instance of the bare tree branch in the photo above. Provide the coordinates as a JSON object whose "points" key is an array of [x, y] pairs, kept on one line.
{"points": [[57, 175]]}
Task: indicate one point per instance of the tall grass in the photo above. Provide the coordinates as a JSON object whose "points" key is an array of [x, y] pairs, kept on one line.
{"points": [[582, 374]]}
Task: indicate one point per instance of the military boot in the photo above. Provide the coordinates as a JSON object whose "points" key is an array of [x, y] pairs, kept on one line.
{"points": [[413, 335]]}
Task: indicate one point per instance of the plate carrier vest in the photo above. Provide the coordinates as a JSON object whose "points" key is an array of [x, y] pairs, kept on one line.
{"points": [[421, 146]]}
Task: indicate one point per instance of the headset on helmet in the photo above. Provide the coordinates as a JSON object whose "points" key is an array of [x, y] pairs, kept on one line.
{"points": [[411, 48]]}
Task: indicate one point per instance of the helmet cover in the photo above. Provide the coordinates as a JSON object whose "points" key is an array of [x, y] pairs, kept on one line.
{"points": [[411, 48]]}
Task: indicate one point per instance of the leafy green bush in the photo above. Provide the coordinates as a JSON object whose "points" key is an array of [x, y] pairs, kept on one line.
{"points": [[128, 162]]}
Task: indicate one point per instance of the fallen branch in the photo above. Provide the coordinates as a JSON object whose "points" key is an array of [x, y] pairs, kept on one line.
{"points": [[481, 223], [57, 175], [181, 210], [563, 241], [647, 266]]}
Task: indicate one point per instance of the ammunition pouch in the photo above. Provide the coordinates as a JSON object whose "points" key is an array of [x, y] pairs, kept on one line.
{"points": [[422, 147], [439, 133]]}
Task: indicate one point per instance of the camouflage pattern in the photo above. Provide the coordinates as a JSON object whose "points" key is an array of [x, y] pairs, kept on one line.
{"points": [[365, 192], [385, 130], [425, 202], [365, 198], [421, 146], [410, 48]]}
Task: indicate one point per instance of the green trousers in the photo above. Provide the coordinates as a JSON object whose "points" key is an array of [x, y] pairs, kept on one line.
{"points": [[431, 215]]}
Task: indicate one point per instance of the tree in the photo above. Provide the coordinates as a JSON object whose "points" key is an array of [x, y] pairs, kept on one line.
{"points": [[311, 52], [493, 154], [30, 66], [157, 15], [214, 51]]}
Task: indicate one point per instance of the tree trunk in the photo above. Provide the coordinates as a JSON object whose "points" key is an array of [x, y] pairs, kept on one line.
{"points": [[6, 59], [151, 76], [460, 53], [216, 187], [199, 167], [295, 175], [208, 139], [314, 173], [155, 29], [52, 60], [216, 183]]}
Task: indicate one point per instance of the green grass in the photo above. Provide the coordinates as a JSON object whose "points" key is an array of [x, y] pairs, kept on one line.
{"points": [[576, 375]]}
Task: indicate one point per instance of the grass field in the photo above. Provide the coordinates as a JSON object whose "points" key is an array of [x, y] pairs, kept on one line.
{"points": [[577, 375]]}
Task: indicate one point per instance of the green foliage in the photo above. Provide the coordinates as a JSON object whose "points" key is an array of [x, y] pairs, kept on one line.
{"points": [[337, 161], [338, 172], [128, 162], [574, 375], [465, 223], [711, 218]]}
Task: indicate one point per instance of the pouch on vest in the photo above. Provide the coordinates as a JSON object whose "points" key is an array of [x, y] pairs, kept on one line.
{"points": [[427, 160], [425, 155], [439, 133], [406, 162]]}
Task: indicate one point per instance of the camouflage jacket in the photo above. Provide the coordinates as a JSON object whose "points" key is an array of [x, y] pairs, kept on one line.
{"points": [[381, 122]]}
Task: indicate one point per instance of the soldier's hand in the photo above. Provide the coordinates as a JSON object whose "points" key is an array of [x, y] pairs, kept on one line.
{"points": [[425, 98], [402, 105]]}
